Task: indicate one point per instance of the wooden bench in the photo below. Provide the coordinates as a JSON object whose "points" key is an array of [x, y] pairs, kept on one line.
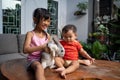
{"points": [[100, 70]]}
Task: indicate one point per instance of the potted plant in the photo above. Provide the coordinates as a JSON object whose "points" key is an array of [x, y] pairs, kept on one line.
{"points": [[82, 6], [101, 33]]}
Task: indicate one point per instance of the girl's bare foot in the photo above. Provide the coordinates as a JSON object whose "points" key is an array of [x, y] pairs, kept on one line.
{"points": [[60, 69], [85, 62]]}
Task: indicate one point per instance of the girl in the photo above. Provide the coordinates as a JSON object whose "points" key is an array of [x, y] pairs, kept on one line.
{"points": [[72, 48], [36, 41]]}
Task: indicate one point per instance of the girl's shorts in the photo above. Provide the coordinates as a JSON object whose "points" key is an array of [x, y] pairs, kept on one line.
{"points": [[28, 65]]}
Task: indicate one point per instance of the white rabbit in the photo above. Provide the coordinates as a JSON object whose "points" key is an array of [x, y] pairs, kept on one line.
{"points": [[56, 49]]}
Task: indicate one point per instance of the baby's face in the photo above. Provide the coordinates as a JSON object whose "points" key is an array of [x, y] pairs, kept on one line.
{"points": [[69, 36]]}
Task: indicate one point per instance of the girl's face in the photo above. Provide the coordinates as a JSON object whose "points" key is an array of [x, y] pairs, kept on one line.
{"points": [[69, 36], [43, 24]]}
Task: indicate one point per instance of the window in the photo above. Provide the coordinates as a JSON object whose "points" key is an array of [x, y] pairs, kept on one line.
{"points": [[53, 9], [11, 11]]}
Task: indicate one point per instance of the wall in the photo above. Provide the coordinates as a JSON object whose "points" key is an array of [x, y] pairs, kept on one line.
{"points": [[1, 28], [90, 16], [27, 9], [65, 16], [80, 21], [62, 14], [66, 9]]}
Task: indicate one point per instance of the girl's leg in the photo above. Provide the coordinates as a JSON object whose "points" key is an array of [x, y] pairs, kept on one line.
{"points": [[74, 65], [39, 71], [59, 63]]}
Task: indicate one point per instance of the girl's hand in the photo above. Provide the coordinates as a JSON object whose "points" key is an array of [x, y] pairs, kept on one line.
{"points": [[46, 48]]}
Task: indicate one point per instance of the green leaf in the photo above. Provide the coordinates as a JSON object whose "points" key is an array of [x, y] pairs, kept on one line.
{"points": [[98, 48], [114, 25], [117, 41]]}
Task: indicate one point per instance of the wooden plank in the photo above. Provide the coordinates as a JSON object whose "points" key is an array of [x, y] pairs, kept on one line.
{"points": [[100, 70]]}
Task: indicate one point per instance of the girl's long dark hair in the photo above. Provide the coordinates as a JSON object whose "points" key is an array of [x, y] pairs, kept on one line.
{"points": [[41, 13]]}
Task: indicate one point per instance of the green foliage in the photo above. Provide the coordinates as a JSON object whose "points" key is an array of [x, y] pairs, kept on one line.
{"points": [[96, 49], [82, 6], [114, 25], [115, 35], [103, 29], [87, 46]]}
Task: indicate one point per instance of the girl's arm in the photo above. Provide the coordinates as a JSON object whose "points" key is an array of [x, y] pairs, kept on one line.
{"points": [[27, 48], [86, 55], [48, 37]]}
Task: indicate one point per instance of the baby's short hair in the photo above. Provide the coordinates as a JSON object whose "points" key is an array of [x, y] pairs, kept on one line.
{"points": [[69, 27]]}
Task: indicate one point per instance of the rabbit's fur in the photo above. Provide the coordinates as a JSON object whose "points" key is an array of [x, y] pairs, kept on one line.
{"points": [[56, 49]]}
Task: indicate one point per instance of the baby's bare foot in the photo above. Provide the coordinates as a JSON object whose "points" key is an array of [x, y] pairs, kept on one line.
{"points": [[63, 75]]}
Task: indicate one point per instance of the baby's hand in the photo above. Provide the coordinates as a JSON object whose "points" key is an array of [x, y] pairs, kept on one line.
{"points": [[92, 60]]}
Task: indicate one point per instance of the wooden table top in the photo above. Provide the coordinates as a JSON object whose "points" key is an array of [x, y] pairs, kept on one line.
{"points": [[100, 70]]}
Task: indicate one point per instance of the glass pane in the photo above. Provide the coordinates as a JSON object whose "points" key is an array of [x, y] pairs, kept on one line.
{"points": [[11, 10]]}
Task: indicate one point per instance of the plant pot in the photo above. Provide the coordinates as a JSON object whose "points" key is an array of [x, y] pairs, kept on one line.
{"points": [[102, 38], [77, 13]]}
